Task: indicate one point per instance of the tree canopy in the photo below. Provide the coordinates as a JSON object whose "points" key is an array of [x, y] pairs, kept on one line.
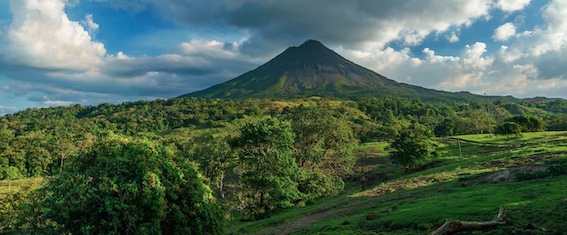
{"points": [[269, 174], [413, 147], [125, 186]]}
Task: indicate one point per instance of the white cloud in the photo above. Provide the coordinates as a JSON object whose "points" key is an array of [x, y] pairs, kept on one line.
{"points": [[504, 32], [453, 38], [512, 5], [212, 49], [90, 24], [42, 36], [7, 109], [554, 36], [472, 57]]}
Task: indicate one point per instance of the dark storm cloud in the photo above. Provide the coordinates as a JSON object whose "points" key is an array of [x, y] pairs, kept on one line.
{"points": [[273, 23]]}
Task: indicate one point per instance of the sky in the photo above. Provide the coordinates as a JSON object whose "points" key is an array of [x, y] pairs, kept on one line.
{"points": [[63, 52]]}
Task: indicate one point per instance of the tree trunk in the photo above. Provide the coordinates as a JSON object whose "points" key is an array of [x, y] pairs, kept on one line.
{"points": [[456, 226]]}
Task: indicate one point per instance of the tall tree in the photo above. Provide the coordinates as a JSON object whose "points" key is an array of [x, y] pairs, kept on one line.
{"points": [[323, 140], [215, 157], [268, 172]]}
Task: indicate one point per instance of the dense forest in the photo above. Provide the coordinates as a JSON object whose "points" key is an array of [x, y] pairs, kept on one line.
{"points": [[251, 156]]}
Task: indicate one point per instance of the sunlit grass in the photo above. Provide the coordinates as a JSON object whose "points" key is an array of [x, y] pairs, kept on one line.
{"points": [[418, 202]]}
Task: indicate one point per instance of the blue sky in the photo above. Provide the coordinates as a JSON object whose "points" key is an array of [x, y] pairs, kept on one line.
{"points": [[62, 52]]}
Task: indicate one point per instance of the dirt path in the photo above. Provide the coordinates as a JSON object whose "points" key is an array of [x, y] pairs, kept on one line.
{"points": [[327, 212], [331, 211]]}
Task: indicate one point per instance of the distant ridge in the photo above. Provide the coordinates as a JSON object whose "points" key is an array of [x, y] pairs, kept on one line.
{"points": [[312, 69]]}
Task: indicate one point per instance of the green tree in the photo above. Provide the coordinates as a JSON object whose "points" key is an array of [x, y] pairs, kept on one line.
{"points": [[509, 129], [527, 123], [322, 139], [413, 147], [124, 186], [215, 157], [445, 128], [268, 172]]}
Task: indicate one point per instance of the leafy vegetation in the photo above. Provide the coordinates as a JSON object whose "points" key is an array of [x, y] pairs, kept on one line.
{"points": [[269, 174], [123, 186], [413, 147], [306, 151], [459, 188]]}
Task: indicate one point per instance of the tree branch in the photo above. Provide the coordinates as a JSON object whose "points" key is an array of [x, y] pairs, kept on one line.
{"points": [[456, 226]]}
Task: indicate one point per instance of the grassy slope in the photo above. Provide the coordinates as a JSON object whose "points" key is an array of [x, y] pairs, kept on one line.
{"points": [[452, 187]]}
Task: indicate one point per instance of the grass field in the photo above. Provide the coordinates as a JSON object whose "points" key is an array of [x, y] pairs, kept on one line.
{"points": [[453, 186]]}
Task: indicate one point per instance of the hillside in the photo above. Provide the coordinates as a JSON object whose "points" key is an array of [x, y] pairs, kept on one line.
{"points": [[315, 70], [381, 199]]}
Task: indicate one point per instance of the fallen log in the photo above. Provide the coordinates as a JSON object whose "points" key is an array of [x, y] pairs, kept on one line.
{"points": [[456, 226]]}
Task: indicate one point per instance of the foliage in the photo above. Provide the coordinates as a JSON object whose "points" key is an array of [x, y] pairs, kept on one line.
{"points": [[413, 147], [457, 190], [508, 129], [128, 187], [36, 142], [214, 157], [316, 184], [322, 140], [268, 172], [15, 201], [527, 123], [445, 128]]}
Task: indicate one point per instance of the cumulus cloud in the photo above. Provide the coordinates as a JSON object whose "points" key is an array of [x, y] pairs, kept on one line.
{"points": [[504, 32], [512, 5], [42, 36], [530, 65], [453, 38], [53, 60], [89, 23]]}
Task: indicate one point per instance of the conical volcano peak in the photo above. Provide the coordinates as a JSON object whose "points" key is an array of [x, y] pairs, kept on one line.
{"points": [[312, 44], [311, 69], [311, 51]]}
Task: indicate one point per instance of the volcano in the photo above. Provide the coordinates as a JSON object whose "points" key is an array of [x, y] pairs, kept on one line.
{"points": [[312, 69]]}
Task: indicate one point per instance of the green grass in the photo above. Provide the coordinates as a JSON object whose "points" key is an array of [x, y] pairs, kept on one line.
{"points": [[430, 206], [529, 137], [451, 187]]}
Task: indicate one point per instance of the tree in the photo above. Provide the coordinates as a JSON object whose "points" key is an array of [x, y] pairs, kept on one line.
{"points": [[527, 123], [413, 147], [124, 186], [322, 140], [445, 128], [508, 129], [324, 149], [214, 157], [268, 172]]}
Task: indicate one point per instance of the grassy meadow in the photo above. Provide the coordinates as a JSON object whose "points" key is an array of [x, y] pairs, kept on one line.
{"points": [[382, 199]]}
